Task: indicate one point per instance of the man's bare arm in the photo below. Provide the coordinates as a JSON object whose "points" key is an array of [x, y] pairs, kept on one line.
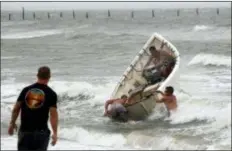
{"points": [[149, 61], [164, 53], [167, 98], [160, 101], [108, 103], [158, 91], [163, 97], [54, 119], [15, 112]]}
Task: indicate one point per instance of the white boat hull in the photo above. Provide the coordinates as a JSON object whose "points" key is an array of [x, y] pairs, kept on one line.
{"points": [[133, 78]]}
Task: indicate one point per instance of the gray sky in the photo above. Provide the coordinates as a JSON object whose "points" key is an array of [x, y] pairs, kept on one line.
{"points": [[108, 5]]}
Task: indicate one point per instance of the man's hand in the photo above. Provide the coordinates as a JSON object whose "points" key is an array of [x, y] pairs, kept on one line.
{"points": [[106, 113], [158, 91], [14, 116], [11, 129], [54, 139], [54, 123]]}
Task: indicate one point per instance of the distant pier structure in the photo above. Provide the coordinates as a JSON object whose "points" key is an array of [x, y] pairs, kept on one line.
{"points": [[48, 15], [178, 12], [74, 15], [108, 14], [9, 16], [153, 13], [132, 14], [23, 13], [34, 15], [217, 11], [87, 15], [197, 11]]}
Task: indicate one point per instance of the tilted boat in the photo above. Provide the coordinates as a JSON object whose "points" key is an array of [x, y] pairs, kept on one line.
{"points": [[133, 79]]}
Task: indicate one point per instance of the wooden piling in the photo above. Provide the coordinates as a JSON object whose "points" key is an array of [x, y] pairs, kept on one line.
{"points": [[197, 11], [109, 13], [61, 14], [48, 15], [34, 15], [132, 14], [178, 12], [23, 14], [86, 15], [74, 16], [10, 16], [153, 13], [217, 11]]}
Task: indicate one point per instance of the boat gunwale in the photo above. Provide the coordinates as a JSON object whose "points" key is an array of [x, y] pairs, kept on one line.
{"points": [[168, 44]]}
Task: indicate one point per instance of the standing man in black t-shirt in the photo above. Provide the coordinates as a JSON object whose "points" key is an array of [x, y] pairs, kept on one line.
{"points": [[35, 103]]}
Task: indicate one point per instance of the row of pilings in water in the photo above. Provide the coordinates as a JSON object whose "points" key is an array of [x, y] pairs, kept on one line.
{"points": [[87, 14]]}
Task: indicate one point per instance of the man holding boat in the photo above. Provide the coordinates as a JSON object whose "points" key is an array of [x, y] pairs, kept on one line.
{"points": [[115, 108], [169, 99]]}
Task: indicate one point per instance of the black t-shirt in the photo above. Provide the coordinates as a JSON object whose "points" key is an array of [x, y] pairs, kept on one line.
{"points": [[36, 100]]}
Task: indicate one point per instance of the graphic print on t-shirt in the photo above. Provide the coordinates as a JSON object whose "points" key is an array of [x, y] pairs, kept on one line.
{"points": [[35, 98]]}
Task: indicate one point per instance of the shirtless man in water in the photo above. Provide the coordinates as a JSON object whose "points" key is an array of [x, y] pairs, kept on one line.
{"points": [[169, 99]]}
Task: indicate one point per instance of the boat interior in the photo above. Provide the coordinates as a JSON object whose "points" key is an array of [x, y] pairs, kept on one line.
{"points": [[141, 91]]}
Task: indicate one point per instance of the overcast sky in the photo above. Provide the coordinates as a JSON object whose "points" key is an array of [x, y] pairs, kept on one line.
{"points": [[108, 5]]}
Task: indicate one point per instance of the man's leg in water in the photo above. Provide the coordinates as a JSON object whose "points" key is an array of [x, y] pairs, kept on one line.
{"points": [[123, 116], [119, 112]]}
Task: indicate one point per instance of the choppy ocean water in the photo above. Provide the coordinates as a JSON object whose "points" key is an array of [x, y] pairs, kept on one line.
{"points": [[87, 58]]}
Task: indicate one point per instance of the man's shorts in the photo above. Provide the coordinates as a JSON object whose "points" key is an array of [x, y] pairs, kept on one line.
{"points": [[118, 112], [116, 108], [37, 140]]}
